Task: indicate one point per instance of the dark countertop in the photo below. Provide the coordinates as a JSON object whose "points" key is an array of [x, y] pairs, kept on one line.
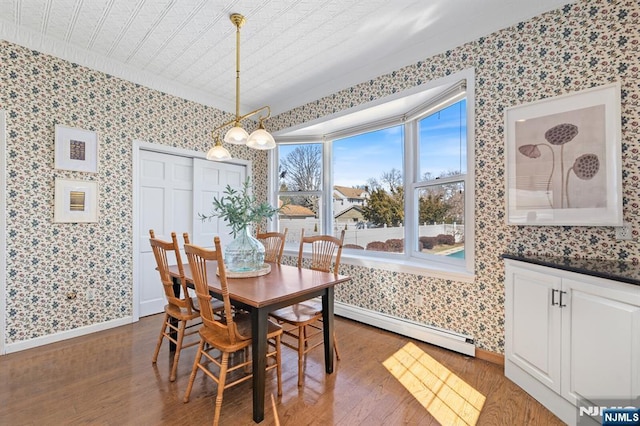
{"points": [[625, 272]]}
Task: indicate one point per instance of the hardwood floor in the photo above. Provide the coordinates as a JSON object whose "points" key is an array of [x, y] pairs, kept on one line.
{"points": [[107, 379]]}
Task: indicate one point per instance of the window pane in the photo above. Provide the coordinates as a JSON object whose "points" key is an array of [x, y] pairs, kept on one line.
{"points": [[300, 167], [441, 219], [443, 142], [300, 212], [368, 198], [300, 170]]}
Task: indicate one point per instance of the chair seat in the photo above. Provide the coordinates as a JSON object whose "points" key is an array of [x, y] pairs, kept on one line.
{"points": [[315, 303], [216, 305], [300, 313], [220, 338], [181, 314], [243, 324]]}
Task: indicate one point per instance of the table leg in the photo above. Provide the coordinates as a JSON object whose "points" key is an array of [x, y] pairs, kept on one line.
{"points": [[177, 288], [259, 318], [327, 320]]}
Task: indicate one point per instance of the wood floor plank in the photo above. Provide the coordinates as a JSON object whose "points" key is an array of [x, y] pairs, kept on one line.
{"points": [[107, 378]]}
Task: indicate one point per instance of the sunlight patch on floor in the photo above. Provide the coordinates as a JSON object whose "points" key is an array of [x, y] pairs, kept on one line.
{"points": [[445, 396]]}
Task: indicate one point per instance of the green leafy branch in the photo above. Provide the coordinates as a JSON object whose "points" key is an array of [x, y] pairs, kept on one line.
{"points": [[240, 208]]}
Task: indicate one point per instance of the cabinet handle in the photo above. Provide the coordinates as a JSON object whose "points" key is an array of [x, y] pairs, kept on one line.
{"points": [[553, 297], [561, 293]]}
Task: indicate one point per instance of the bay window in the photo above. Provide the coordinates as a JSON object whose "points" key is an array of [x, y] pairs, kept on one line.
{"points": [[400, 185]]}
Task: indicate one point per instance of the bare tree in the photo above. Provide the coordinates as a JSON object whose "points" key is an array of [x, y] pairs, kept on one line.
{"points": [[372, 185], [302, 168], [392, 178], [427, 176]]}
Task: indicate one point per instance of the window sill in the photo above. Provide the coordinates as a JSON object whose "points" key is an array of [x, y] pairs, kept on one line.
{"points": [[409, 266]]}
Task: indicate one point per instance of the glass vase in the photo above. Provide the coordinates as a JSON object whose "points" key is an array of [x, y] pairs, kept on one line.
{"points": [[244, 253]]}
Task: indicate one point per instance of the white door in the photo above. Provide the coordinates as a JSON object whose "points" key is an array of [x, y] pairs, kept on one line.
{"points": [[166, 188], [172, 191], [209, 181]]}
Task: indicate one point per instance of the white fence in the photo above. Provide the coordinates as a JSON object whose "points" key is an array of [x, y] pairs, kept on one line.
{"points": [[362, 237]]}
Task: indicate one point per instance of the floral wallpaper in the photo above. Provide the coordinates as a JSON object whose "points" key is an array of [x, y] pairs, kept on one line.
{"points": [[46, 260], [581, 45]]}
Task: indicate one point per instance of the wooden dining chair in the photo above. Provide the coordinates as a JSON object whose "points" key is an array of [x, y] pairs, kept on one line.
{"points": [[303, 321], [180, 316], [226, 336], [216, 305], [273, 245]]}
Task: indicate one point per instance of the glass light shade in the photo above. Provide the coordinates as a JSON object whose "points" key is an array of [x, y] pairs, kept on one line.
{"points": [[261, 139], [236, 135], [218, 153]]}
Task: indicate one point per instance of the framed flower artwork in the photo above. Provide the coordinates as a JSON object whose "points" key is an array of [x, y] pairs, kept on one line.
{"points": [[563, 160]]}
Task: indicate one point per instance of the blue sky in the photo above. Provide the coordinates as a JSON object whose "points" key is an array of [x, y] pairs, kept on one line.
{"points": [[443, 140], [358, 158]]}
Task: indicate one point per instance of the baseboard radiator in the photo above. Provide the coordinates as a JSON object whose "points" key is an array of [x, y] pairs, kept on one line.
{"points": [[433, 335]]}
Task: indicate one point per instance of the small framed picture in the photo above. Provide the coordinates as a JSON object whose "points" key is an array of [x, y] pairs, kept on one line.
{"points": [[75, 201], [563, 160], [76, 149]]}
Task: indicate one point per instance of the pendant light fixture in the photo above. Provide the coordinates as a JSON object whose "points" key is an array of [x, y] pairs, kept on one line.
{"points": [[218, 152], [260, 138]]}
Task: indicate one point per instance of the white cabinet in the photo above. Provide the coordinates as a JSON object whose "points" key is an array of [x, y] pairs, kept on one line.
{"points": [[533, 339], [570, 336]]}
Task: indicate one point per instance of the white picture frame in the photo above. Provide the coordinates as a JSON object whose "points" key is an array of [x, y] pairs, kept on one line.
{"points": [[563, 160], [76, 201], [76, 149]]}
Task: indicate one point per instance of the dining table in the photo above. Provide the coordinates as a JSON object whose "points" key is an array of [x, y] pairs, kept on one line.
{"points": [[283, 286]]}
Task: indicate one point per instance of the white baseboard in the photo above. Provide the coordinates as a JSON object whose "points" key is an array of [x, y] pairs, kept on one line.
{"points": [[64, 335], [433, 335]]}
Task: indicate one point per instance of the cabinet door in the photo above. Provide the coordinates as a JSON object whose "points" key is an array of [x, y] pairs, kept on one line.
{"points": [[532, 326], [601, 347]]}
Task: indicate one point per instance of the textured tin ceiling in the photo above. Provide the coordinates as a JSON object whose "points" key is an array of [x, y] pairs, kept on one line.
{"points": [[292, 52]]}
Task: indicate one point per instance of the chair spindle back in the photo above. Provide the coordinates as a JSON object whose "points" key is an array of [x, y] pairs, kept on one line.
{"points": [[323, 247], [161, 250], [198, 258], [273, 245]]}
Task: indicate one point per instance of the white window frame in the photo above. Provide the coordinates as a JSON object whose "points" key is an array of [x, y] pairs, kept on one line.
{"points": [[449, 97], [275, 184], [411, 261]]}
